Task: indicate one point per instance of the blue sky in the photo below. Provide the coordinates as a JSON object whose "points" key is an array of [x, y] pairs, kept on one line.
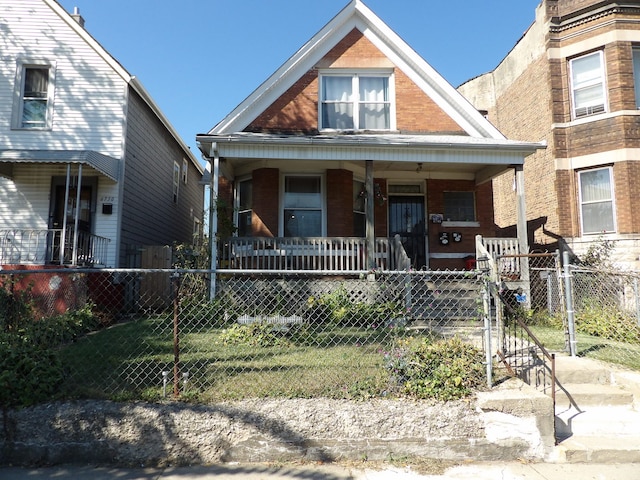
{"points": [[200, 58]]}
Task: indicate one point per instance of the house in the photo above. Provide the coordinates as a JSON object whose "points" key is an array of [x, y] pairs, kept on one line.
{"points": [[90, 168], [356, 154], [573, 81]]}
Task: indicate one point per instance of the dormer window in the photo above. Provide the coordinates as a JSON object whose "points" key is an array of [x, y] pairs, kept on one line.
{"points": [[356, 101], [588, 85]]}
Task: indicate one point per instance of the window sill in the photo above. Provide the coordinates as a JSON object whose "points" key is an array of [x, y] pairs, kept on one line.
{"points": [[460, 224]]}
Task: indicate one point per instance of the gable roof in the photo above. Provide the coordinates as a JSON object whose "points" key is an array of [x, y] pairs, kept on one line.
{"points": [[131, 80], [357, 15]]}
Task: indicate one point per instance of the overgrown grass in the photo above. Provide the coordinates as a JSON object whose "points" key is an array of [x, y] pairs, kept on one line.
{"points": [[126, 362]]}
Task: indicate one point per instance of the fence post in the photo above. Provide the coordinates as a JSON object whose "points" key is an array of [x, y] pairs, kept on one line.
{"points": [[175, 282], [568, 292], [486, 304], [637, 293]]}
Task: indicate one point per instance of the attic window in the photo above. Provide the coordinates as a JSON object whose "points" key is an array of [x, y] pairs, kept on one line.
{"points": [[356, 101], [33, 104]]}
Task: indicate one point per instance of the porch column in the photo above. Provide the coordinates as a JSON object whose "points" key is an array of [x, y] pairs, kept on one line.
{"points": [[370, 233], [63, 234], [74, 256], [523, 236], [213, 216]]}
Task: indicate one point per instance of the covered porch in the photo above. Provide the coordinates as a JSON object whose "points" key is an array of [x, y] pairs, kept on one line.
{"points": [[58, 207], [385, 170]]}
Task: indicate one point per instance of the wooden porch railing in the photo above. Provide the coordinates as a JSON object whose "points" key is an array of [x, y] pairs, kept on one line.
{"points": [[339, 254], [43, 246]]}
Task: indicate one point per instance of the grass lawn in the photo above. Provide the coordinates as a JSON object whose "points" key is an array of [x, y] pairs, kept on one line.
{"points": [[621, 353], [126, 361]]}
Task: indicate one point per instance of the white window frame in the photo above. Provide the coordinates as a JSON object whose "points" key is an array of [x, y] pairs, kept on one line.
{"points": [[323, 201], [592, 107], [583, 203], [355, 100], [176, 181], [242, 211], [19, 93]]}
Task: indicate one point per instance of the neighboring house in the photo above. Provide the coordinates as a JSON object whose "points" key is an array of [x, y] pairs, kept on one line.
{"points": [[573, 80], [355, 140], [90, 168]]}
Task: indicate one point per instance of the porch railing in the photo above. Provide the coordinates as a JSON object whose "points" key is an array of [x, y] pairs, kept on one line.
{"points": [[339, 254], [50, 246]]}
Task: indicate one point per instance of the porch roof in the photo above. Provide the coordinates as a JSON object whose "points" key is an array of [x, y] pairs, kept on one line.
{"points": [[480, 156], [105, 164]]}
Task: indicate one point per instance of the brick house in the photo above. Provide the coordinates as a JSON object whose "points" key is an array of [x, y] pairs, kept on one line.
{"points": [[353, 146], [90, 168], [573, 81]]}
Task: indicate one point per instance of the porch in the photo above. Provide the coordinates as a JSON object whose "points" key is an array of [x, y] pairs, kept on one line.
{"points": [[52, 246]]}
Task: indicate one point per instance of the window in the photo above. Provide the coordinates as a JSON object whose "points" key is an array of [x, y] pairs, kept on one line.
{"points": [[34, 97], [244, 204], [302, 206], [588, 85], [596, 201], [355, 102], [459, 207], [636, 74], [359, 215], [176, 181], [185, 170]]}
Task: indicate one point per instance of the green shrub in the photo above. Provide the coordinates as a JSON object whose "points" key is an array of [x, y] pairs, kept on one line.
{"points": [[439, 369], [28, 373], [254, 335], [607, 322], [15, 308]]}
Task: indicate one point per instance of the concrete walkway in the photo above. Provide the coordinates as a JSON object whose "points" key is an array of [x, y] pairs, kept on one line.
{"points": [[480, 471]]}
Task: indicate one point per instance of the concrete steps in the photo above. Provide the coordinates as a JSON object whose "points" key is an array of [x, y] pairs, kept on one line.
{"points": [[596, 417]]}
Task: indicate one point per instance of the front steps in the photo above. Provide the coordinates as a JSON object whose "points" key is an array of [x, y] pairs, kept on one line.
{"points": [[596, 415]]}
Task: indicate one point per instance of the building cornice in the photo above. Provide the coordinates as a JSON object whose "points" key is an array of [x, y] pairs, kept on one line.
{"points": [[592, 13]]}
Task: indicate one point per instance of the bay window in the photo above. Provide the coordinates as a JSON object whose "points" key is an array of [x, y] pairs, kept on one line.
{"points": [[588, 92], [596, 201], [355, 101]]}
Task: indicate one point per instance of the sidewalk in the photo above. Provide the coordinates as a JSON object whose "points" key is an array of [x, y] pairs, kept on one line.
{"points": [[479, 471]]}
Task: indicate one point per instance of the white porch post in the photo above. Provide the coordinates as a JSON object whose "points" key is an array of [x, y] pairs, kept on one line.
{"points": [[63, 235], [74, 258], [523, 236], [213, 216], [370, 233]]}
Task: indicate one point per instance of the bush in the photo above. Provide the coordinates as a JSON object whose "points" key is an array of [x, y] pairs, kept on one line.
{"points": [[442, 369], [28, 373], [607, 322]]}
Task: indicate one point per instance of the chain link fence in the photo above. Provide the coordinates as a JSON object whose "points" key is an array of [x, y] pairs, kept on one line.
{"points": [[149, 334], [606, 307]]}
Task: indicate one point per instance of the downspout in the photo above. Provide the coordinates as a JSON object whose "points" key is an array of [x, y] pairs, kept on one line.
{"points": [[213, 216], [63, 236], [74, 257]]}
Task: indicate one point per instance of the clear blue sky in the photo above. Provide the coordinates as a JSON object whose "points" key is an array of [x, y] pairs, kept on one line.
{"points": [[200, 58]]}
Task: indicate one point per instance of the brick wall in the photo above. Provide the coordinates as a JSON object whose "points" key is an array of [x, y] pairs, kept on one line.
{"points": [[339, 203], [296, 111], [266, 184]]}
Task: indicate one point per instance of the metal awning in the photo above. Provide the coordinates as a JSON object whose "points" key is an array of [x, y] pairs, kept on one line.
{"points": [[104, 164]]}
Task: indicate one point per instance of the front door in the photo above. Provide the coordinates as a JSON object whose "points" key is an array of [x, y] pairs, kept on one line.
{"points": [[70, 210], [407, 219]]}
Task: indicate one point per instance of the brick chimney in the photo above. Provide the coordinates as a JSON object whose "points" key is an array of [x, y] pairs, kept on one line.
{"points": [[77, 17]]}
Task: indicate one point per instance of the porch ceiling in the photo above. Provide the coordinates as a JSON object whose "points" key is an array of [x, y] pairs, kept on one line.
{"points": [[104, 164], [439, 156]]}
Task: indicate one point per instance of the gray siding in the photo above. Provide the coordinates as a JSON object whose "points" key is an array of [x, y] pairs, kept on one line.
{"points": [[149, 215]]}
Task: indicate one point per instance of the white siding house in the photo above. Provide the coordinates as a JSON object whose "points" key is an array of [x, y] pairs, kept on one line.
{"points": [[79, 137]]}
